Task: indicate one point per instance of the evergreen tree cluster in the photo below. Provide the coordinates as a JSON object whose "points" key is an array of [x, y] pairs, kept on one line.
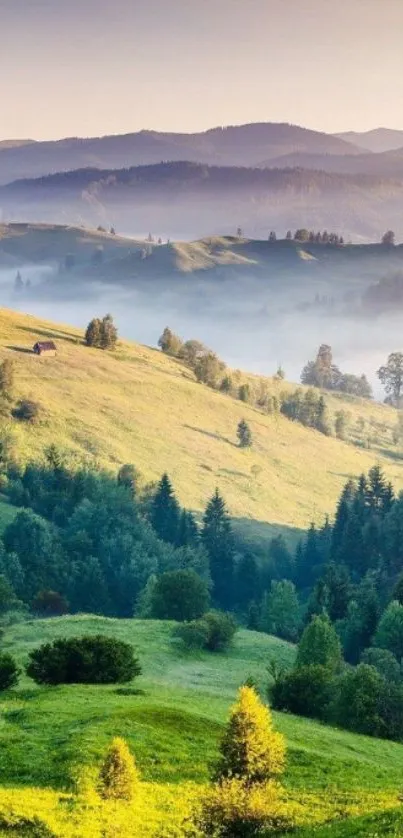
{"points": [[304, 235], [84, 540], [367, 698], [308, 408], [101, 334]]}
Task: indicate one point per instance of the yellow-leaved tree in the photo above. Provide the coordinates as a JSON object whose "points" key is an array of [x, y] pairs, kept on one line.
{"points": [[119, 776], [245, 801], [251, 750]]}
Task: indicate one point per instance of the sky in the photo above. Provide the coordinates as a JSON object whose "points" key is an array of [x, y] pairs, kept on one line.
{"points": [[94, 67]]}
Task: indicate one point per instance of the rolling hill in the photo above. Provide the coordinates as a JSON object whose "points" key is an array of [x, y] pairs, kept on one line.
{"points": [[182, 199], [243, 145], [173, 718], [137, 405]]}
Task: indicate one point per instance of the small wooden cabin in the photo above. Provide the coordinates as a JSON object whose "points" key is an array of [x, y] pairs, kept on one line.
{"points": [[46, 347]]}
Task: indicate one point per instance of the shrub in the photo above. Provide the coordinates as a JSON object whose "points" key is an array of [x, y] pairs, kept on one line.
{"points": [[213, 632], [358, 703], [305, 691], [231, 809], [83, 660], [118, 777], [251, 750], [179, 595], [9, 672], [221, 630], [27, 410], [244, 393], [194, 635]]}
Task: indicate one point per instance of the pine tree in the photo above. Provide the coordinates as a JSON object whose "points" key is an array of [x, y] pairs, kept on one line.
{"points": [[109, 333], [342, 517], [118, 777], [244, 434], [218, 540], [165, 511], [93, 333], [337, 580], [251, 750], [247, 583], [188, 532], [312, 556], [319, 645]]}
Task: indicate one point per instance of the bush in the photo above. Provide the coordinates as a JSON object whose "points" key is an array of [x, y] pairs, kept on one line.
{"points": [[194, 635], [9, 672], [83, 660], [221, 630], [358, 702], [179, 595], [118, 777], [27, 410], [305, 691], [232, 809], [213, 632]]}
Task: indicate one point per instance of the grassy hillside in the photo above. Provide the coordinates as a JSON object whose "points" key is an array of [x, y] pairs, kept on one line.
{"points": [[173, 719], [137, 405]]}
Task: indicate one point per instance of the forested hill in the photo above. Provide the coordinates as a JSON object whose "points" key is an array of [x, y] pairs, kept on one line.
{"points": [[137, 405]]}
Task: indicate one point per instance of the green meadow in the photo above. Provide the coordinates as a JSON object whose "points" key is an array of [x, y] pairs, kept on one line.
{"points": [[173, 717]]}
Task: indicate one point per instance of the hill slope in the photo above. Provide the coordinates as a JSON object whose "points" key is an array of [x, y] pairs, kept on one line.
{"points": [[180, 198], [137, 405], [173, 718]]}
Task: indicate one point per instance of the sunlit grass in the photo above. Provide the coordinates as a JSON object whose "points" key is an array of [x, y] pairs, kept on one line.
{"points": [[136, 405]]}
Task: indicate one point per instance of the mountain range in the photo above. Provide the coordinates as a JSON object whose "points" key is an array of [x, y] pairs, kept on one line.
{"points": [[244, 145], [258, 176]]}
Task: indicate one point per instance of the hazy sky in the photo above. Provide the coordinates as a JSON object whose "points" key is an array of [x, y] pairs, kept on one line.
{"points": [[89, 67]]}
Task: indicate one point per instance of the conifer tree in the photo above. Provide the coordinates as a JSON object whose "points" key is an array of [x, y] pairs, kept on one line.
{"points": [[118, 777], [251, 750], [247, 580], [188, 533], [109, 333], [93, 333], [218, 540], [244, 434], [165, 511], [319, 645]]}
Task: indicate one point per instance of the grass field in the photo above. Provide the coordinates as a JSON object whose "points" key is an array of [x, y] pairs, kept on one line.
{"points": [[137, 405], [173, 717]]}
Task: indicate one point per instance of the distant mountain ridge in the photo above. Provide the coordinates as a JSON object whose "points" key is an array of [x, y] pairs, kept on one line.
{"points": [[377, 140], [243, 145], [384, 164], [184, 200]]}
